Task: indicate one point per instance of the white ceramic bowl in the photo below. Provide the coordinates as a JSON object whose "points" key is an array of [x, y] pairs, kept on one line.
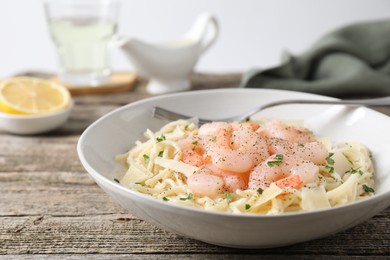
{"points": [[34, 124], [116, 132]]}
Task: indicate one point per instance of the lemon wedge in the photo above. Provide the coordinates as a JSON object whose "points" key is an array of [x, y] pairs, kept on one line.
{"points": [[30, 96]]}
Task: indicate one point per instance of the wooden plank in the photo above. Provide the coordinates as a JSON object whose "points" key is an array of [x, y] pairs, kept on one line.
{"points": [[52, 193], [123, 234], [182, 256]]}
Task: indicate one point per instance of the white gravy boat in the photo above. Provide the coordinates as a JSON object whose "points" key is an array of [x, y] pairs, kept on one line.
{"points": [[169, 64]]}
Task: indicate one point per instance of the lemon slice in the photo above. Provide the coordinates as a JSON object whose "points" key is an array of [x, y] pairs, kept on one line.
{"points": [[30, 96]]}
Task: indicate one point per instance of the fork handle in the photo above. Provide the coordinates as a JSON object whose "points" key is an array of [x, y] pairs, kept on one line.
{"points": [[383, 101]]}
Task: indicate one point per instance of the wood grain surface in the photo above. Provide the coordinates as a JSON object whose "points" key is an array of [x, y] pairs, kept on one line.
{"points": [[51, 209]]}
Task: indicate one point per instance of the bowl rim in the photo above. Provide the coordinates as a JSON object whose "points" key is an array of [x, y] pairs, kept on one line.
{"points": [[376, 198]]}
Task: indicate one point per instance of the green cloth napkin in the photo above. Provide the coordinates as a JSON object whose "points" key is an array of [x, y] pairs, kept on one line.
{"points": [[354, 60]]}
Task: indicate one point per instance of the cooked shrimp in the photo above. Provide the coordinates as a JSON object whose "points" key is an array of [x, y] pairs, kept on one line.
{"points": [[232, 180], [204, 183], [235, 182], [219, 172], [235, 156], [279, 145], [315, 152], [226, 158], [280, 166], [307, 171], [295, 134], [266, 173], [249, 124], [192, 151], [293, 181], [245, 139], [213, 127]]}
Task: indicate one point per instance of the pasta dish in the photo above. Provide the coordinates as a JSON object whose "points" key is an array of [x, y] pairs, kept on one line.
{"points": [[261, 167]]}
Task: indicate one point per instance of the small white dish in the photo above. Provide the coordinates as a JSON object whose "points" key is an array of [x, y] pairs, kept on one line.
{"points": [[34, 124], [116, 132]]}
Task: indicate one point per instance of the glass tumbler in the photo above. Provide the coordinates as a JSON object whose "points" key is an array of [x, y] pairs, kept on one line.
{"points": [[81, 31]]}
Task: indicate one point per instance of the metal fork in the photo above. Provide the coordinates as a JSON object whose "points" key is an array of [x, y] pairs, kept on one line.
{"points": [[162, 113]]}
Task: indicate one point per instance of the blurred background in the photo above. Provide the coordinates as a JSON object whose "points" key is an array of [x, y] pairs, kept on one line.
{"points": [[253, 33]]}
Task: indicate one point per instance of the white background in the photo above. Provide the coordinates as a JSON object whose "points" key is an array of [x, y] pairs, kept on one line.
{"points": [[253, 33]]}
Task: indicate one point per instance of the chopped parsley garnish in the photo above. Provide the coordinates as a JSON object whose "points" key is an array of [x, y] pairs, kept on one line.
{"points": [[247, 206], [260, 191], [329, 159], [329, 168], [188, 197], [368, 189], [213, 139], [161, 138], [278, 161], [330, 162], [228, 196], [160, 154], [140, 183], [165, 199], [279, 156], [115, 179], [195, 142], [353, 171], [146, 158]]}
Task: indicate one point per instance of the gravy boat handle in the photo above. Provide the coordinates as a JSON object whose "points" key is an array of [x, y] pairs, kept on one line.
{"points": [[205, 31]]}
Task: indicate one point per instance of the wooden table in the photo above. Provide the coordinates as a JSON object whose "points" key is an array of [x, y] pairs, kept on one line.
{"points": [[51, 208]]}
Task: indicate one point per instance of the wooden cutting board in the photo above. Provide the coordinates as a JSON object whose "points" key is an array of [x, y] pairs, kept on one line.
{"points": [[120, 82]]}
